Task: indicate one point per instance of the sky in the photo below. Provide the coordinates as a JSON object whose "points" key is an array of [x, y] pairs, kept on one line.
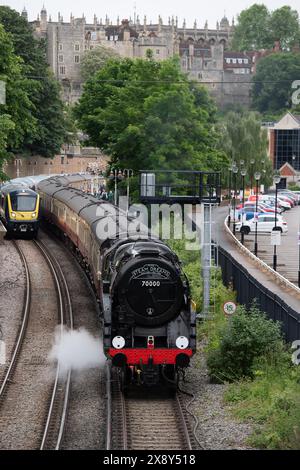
{"points": [[190, 10]]}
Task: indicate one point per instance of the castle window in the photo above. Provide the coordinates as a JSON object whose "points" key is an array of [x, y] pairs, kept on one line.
{"points": [[234, 61], [77, 47], [228, 61], [246, 61], [240, 61], [77, 59], [60, 58], [60, 47], [62, 70]]}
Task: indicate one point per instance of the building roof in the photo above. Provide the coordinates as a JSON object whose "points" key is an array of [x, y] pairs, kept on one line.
{"points": [[288, 121], [236, 55]]}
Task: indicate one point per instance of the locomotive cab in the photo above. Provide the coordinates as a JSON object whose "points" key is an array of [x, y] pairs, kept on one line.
{"points": [[20, 210]]}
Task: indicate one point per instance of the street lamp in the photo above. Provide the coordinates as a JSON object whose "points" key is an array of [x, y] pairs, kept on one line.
{"points": [[243, 173], [235, 171], [294, 158], [277, 179], [257, 176], [252, 161], [229, 192]]}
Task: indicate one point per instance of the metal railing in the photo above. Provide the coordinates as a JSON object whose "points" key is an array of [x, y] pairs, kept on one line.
{"points": [[248, 288]]}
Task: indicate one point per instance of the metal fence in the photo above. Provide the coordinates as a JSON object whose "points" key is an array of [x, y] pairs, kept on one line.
{"points": [[248, 289]]}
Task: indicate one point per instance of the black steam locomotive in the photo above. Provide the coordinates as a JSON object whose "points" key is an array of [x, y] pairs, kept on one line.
{"points": [[149, 329]]}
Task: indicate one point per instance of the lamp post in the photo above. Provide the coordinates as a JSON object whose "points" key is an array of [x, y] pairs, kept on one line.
{"points": [[252, 161], [229, 192], [277, 179], [243, 173], [294, 158], [235, 171], [257, 176]]}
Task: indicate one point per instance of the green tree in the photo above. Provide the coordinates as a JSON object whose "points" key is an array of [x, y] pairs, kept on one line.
{"points": [[42, 89], [284, 27], [95, 59], [244, 139], [272, 84], [258, 28], [16, 120], [145, 114], [252, 31]]}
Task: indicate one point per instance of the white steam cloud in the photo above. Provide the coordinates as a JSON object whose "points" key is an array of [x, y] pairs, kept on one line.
{"points": [[77, 350]]}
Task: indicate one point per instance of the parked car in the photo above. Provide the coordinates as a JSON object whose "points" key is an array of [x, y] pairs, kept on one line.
{"points": [[286, 200], [290, 194], [265, 224]]}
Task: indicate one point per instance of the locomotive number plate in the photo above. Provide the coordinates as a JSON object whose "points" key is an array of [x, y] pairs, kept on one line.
{"points": [[150, 283]]}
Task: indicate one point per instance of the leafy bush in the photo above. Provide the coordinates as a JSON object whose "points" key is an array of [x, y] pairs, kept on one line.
{"points": [[242, 339]]}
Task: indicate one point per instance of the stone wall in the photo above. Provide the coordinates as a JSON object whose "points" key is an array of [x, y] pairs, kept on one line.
{"points": [[66, 162]]}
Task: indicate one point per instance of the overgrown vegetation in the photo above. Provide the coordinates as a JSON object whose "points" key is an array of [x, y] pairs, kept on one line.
{"points": [[249, 351], [248, 335], [271, 401]]}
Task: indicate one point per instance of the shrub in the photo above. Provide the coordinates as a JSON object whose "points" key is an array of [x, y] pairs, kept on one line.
{"points": [[242, 339]]}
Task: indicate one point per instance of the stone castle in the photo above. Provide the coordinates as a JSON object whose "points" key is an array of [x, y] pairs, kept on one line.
{"points": [[204, 53]]}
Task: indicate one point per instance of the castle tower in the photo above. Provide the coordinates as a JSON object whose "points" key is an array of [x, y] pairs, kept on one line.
{"points": [[224, 24], [24, 14], [44, 19]]}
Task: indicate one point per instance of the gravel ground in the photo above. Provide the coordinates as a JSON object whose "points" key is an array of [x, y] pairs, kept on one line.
{"points": [[217, 429], [12, 287], [86, 417], [23, 411]]}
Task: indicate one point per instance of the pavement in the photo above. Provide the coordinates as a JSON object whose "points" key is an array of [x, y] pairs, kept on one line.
{"points": [[287, 258]]}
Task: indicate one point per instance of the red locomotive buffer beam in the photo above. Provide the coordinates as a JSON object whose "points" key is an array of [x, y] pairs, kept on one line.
{"points": [[158, 356]]}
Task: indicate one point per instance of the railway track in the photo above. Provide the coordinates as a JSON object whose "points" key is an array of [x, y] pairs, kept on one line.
{"points": [[20, 337], [56, 415], [146, 421]]}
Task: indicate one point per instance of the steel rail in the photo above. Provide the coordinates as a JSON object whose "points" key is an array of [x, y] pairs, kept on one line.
{"points": [[57, 272], [109, 407], [26, 312], [183, 422]]}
